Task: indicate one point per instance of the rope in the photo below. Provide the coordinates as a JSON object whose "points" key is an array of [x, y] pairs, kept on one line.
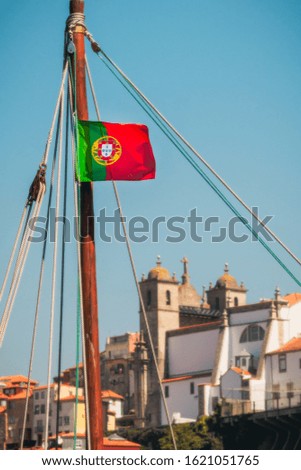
{"points": [[76, 193], [13, 250], [78, 316], [24, 246], [19, 268], [135, 275], [182, 150], [50, 135], [41, 277], [52, 310], [62, 289], [195, 152]]}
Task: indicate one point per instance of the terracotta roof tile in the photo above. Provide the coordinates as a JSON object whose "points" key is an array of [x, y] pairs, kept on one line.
{"points": [[111, 394], [292, 345], [202, 325], [15, 379], [240, 371], [72, 398], [19, 396], [292, 298], [177, 379]]}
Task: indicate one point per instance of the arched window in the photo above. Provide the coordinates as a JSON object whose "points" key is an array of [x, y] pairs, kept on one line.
{"points": [[235, 301], [149, 298], [252, 333], [168, 297]]}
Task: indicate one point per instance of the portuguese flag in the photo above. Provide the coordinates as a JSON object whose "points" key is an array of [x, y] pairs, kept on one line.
{"points": [[112, 151]]}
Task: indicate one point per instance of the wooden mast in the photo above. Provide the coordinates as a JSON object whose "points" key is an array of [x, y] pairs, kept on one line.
{"points": [[87, 252]]}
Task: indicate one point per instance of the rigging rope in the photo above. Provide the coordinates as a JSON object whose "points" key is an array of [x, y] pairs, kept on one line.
{"points": [[173, 138], [98, 50], [54, 268], [36, 193], [76, 193], [20, 264], [62, 289], [41, 277], [122, 219], [16, 242]]}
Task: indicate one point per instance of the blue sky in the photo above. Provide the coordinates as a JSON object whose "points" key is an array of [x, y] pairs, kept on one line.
{"points": [[227, 74]]}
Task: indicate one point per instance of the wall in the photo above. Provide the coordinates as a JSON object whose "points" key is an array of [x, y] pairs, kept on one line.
{"points": [[193, 352], [181, 400]]}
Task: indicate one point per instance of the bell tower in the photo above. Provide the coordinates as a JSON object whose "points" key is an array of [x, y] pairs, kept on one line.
{"points": [[226, 292], [161, 300]]}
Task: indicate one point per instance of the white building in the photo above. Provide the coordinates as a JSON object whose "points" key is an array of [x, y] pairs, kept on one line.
{"points": [[66, 414], [215, 349], [283, 375], [236, 360]]}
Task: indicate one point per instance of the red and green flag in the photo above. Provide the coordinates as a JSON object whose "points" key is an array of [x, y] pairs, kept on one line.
{"points": [[112, 151]]}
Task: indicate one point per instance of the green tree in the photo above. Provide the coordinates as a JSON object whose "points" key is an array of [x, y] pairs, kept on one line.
{"points": [[191, 437]]}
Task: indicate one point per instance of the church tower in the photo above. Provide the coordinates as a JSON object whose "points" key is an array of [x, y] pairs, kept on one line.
{"points": [[226, 292], [161, 300]]}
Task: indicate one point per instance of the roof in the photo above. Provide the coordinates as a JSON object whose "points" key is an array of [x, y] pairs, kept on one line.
{"points": [[107, 442], [111, 394], [242, 372], [15, 379], [177, 379], [293, 298], [195, 328], [159, 272], [19, 396], [226, 280], [188, 377], [291, 346], [43, 387], [72, 398]]}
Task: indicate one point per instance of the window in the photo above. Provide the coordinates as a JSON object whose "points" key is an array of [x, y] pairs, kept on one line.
{"points": [[276, 391], [166, 391], [299, 363], [36, 395], [42, 409], [217, 303], [252, 333], [290, 389], [42, 394], [282, 362], [37, 409], [168, 298], [235, 302], [149, 298], [191, 388], [66, 420]]}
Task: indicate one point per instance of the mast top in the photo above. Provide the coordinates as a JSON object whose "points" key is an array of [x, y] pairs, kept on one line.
{"points": [[77, 6]]}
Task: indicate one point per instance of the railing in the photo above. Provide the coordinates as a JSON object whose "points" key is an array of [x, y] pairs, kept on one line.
{"points": [[234, 407]]}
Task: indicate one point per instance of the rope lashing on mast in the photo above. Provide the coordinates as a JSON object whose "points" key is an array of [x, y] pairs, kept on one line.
{"points": [[176, 138], [134, 271]]}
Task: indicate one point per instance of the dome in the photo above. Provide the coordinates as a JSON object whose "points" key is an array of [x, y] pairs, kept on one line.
{"points": [[160, 273], [226, 280]]}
